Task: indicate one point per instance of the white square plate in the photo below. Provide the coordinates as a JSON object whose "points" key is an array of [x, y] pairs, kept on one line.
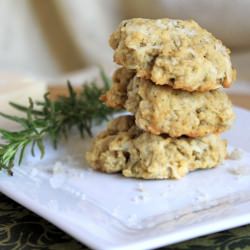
{"points": [[112, 212]]}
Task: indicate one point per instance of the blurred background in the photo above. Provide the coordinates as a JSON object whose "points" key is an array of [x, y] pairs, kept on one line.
{"points": [[52, 38]]}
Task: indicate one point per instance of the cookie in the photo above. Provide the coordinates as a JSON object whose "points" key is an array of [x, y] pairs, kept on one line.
{"points": [[177, 53], [117, 95], [125, 148], [163, 110]]}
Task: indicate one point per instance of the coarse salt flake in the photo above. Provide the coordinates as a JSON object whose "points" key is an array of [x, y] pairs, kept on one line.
{"points": [[132, 220], [241, 170], [140, 187], [236, 154]]}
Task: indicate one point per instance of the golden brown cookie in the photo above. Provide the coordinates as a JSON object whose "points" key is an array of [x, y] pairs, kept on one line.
{"points": [[125, 148], [177, 53], [163, 110], [117, 95]]}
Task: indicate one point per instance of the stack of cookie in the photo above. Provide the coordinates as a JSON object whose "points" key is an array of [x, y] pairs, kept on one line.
{"points": [[170, 81]]}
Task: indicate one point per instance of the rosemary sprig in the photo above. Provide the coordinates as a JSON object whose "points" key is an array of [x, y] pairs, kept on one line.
{"points": [[53, 119]]}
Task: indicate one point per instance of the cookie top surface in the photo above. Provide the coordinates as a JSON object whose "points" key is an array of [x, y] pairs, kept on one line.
{"points": [[163, 110], [123, 147], [177, 53]]}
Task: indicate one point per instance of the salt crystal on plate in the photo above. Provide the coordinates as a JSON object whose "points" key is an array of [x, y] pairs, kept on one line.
{"points": [[57, 168], [236, 154], [34, 172], [132, 220], [201, 196], [115, 211], [164, 194], [53, 204], [83, 197], [144, 197], [140, 187], [135, 199], [241, 170], [56, 181]]}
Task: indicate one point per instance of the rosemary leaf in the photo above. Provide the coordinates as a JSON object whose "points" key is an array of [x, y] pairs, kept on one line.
{"points": [[53, 119]]}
